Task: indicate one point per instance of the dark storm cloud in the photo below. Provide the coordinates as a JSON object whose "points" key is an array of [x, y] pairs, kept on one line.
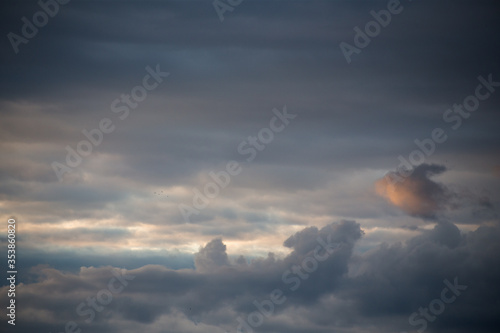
{"points": [[399, 279], [213, 284], [390, 281]]}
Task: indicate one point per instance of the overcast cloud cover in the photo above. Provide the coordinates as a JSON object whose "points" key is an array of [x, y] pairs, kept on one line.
{"points": [[361, 191]]}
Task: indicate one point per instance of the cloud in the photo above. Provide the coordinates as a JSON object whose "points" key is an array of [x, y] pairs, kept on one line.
{"points": [[211, 257], [400, 278], [417, 194], [496, 170], [213, 286], [351, 292], [226, 78]]}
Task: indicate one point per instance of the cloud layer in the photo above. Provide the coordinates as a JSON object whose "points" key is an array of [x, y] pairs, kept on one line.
{"points": [[119, 207], [351, 292]]}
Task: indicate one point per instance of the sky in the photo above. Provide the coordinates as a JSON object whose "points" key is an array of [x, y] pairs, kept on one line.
{"points": [[251, 166]]}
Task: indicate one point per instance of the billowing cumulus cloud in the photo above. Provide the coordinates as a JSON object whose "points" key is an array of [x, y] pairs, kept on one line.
{"points": [[211, 257], [389, 281]]}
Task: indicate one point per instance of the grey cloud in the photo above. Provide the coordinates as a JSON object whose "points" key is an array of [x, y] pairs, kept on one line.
{"points": [[211, 257], [388, 281], [212, 285], [354, 120]]}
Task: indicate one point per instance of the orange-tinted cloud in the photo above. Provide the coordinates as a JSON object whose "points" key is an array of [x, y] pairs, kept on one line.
{"points": [[496, 170], [417, 194]]}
